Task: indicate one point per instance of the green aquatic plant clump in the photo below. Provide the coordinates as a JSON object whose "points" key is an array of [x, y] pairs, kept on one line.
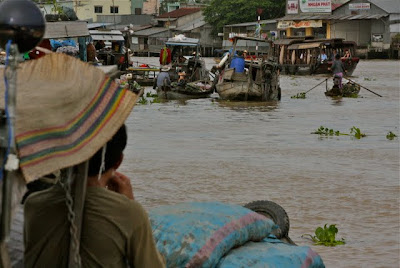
{"points": [[301, 95], [391, 135], [324, 131], [357, 133], [326, 236], [151, 95], [142, 100], [155, 100], [327, 132]]}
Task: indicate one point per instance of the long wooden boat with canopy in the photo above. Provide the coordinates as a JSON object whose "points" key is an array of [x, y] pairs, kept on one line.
{"points": [[188, 73], [113, 54], [257, 81], [302, 56]]}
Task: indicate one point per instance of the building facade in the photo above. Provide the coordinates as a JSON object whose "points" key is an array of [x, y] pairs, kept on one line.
{"points": [[187, 21], [151, 7], [372, 24], [248, 29], [90, 9]]}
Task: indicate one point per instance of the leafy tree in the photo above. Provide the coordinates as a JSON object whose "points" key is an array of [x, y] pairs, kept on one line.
{"points": [[224, 12]]}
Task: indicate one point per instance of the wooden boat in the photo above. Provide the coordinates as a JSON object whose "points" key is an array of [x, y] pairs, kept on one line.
{"points": [[301, 56], [109, 55], [259, 81], [144, 75], [348, 90], [187, 64], [191, 90]]}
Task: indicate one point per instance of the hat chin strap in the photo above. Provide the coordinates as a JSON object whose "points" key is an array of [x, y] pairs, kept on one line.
{"points": [[103, 159]]}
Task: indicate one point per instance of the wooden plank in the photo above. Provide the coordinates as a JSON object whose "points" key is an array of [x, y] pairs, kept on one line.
{"points": [[229, 73], [4, 257], [239, 77]]}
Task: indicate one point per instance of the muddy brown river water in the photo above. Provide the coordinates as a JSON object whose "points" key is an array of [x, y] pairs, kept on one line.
{"points": [[208, 149]]}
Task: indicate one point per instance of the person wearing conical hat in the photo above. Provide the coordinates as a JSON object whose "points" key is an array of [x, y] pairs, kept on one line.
{"points": [[163, 78], [65, 117]]}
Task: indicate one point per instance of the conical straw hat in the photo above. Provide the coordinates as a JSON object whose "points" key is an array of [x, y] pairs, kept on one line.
{"points": [[66, 111]]}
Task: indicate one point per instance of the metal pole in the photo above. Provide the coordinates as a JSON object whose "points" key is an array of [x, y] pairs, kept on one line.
{"points": [[115, 26], [11, 173]]}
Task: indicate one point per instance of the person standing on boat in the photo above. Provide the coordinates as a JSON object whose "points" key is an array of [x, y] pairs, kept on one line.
{"points": [[163, 78], [238, 62], [338, 69]]}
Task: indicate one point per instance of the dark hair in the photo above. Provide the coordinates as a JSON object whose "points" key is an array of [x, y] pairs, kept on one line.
{"points": [[337, 56], [114, 149]]}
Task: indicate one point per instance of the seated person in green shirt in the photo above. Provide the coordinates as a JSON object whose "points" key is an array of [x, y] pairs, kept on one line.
{"points": [[115, 232]]}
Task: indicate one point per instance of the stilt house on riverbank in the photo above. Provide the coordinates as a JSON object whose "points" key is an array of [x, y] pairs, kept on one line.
{"points": [[187, 21], [373, 24]]}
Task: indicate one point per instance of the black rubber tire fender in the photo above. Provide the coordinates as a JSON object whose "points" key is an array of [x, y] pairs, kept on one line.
{"points": [[274, 212]]}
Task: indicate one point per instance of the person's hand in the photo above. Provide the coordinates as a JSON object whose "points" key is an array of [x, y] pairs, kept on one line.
{"points": [[121, 184]]}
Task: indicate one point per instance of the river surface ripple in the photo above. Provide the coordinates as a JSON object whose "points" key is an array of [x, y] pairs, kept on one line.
{"points": [[211, 150]]}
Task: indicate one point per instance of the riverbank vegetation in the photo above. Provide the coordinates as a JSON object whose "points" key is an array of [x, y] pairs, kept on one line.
{"points": [[224, 12]]}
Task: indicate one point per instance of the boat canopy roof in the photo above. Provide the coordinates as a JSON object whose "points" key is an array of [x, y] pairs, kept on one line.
{"points": [[335, 42], [66, 29], [305, 45], [110, 35], [287, 41], [183, 41]]}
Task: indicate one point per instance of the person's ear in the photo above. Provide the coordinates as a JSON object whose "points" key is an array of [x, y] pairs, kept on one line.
{"points": [[121, 157]]}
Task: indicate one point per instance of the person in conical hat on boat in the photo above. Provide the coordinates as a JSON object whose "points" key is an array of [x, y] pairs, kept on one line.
{"points": [[62, 124], [163, 78]]}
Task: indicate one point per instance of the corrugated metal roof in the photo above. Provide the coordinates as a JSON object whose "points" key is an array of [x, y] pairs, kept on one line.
{"points": [[244, 24], [179, 13], [332, 17], [66, 29], [389, 6], [150, 31], [192, 25], [107, 37], [98, 24], [395, 28], [106, 32], [110, 35]]}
